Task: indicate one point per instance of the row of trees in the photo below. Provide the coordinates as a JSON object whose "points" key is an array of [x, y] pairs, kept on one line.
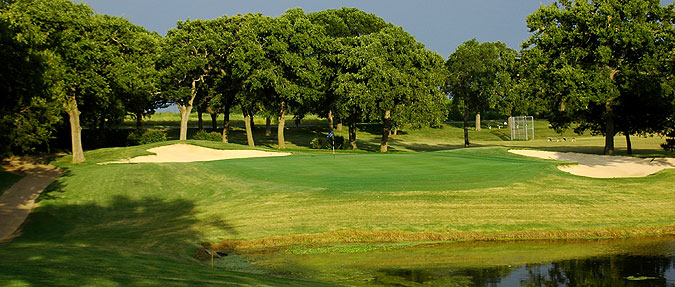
{"points": [[343, 64], [606, 66], [61, 58], [603, 66]]}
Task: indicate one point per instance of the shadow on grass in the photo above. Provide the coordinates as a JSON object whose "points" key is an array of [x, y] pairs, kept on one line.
{"points": [[120, 241]]}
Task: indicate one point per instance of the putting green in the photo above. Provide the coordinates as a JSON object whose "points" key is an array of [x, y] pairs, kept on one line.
{"points": [[434, 171]]}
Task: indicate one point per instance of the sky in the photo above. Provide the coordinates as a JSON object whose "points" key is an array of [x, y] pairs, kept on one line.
{"points": [[441, 25]]}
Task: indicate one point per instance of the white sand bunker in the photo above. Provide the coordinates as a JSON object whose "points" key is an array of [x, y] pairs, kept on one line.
{"points": [[192, 153], [603, 166]]}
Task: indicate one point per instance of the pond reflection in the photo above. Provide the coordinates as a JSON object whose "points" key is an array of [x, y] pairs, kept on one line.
{"points": [[619, 270], [622, 262]]}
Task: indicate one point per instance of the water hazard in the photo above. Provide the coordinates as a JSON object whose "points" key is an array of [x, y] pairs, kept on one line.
{"points": [[625, 262]]}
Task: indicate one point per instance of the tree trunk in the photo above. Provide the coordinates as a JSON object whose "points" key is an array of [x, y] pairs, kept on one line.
{"points": [[395, 132], [200, 120], [629, 146], [75, 130], [249, 129], [352, 133], [139, 121], [280, 129], [386, 131], [226, 124], [101, 123], [466, 124], [252, 122], [609, 129], [330, 120], [268, 126], [184, 117], [478, 122], [186, 109], [508, 121], [214, 121]]}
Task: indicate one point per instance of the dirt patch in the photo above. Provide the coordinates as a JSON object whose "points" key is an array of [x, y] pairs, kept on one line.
{"points": [[192, 153], [603, 166]]}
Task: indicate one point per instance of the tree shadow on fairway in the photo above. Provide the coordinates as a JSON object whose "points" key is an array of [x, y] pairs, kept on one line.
{"points": [[422, 147], [501, 134], [117, 241]]}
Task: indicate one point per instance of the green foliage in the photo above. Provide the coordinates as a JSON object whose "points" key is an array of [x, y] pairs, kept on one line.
{"points": [[209, 136], [327, 143], [480, 76], [600, 64], [146, 137], [28, 113]]}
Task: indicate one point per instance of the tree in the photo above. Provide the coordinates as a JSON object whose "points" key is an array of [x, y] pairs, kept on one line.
{"points": [[29, 111], [74, 44], [341, 26], [247, 61], [388, 74], [584, 54], [133, 77], [478, 76], [188, 52]]}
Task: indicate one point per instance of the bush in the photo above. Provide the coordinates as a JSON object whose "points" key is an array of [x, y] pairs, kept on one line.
{"points": [[146, 137], [327, 143], [212, 136]]}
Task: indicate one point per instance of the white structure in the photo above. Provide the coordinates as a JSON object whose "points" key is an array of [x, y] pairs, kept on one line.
{"points": [[522, 128]]}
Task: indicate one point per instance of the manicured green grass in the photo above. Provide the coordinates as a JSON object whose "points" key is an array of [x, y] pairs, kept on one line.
{"points": [[7, 180], [139, 224]]}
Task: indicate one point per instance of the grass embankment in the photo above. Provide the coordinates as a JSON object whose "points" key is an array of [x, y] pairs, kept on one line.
{"points": [[139, 224]]}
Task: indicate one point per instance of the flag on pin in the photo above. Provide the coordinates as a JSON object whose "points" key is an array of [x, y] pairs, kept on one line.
{"points": [[330, 135]]}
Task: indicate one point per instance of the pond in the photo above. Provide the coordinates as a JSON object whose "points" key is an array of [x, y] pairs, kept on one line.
{"points": [[618, 262]]}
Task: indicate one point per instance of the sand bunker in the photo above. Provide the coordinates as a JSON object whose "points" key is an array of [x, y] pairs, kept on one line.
{"points": [[603, 166], [192, 153]]}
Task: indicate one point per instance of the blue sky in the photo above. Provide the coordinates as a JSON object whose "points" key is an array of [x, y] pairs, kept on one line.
{"points": [[440, 24]]}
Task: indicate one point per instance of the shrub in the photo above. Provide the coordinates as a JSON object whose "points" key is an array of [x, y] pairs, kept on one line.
{"points": [[212, 136], [327, 143], [146, 137], [315, 143]]}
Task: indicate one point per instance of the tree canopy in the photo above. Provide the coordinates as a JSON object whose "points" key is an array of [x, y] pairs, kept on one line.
{"points": [[595, 62]]}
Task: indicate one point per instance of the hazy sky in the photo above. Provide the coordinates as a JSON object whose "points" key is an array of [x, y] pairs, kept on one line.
{"points": [[440, 24]]}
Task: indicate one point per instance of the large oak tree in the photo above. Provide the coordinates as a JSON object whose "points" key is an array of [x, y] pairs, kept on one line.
{"points": [[585, 57]]}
